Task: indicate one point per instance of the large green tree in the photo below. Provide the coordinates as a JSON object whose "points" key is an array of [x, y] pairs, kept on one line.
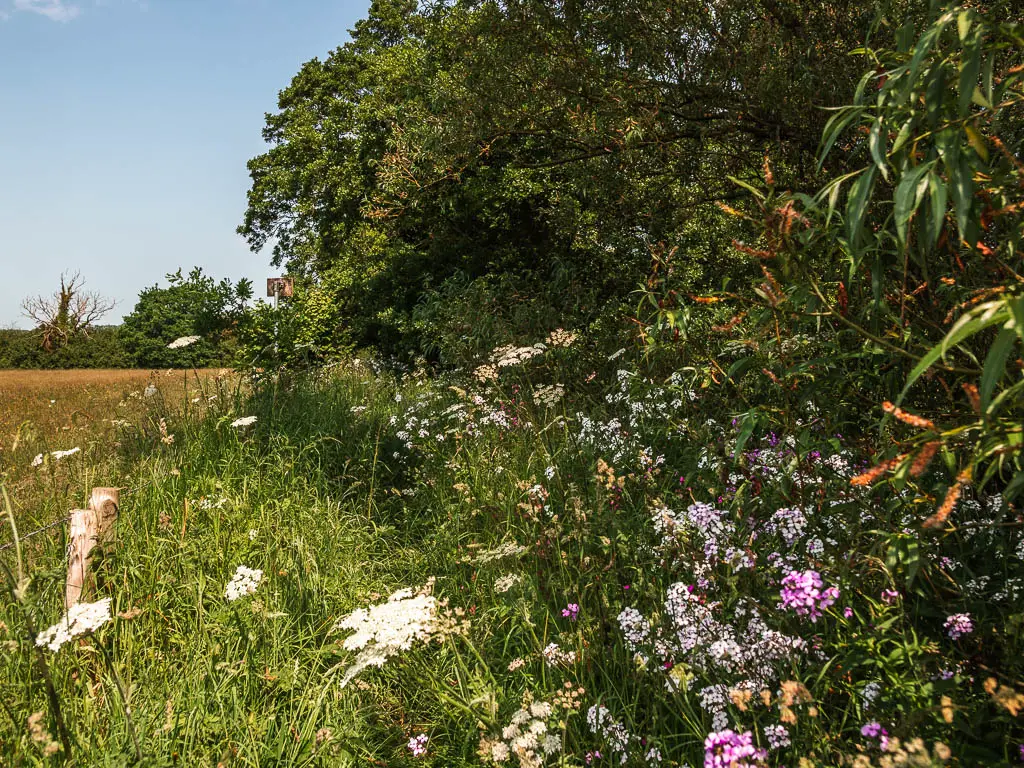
{"points": [[526, 138], [192, 305]]}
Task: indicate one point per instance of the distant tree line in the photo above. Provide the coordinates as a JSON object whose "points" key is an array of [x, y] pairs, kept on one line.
{"points": [[67, 334]]}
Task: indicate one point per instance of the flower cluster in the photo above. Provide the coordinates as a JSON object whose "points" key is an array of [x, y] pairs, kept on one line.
{"points": [[802, 592], [184, 341], [486, 372], [614, 734], [57, 455], [243, 583], [510, 354], [728, 749], [958, 625], [554, 656], [560, 338], [528, 737], [244, 421], [418, 745], [387, 629], [81, 619], [874, 730], [505, 583], [548, 395]]}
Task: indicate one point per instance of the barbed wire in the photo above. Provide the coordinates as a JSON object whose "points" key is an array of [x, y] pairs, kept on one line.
{"points": [[62, 520]]}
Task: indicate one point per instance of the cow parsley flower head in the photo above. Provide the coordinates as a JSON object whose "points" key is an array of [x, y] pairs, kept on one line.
{"points": [[245, 421], [528, 737], [385, 630], [81, 619], [184, 341], [243, 583], [560, 338], [506, 582]]}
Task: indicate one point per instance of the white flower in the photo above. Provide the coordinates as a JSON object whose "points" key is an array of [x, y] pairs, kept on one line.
{"points": [[384, 630], [506, 582], [540, 709], [561, 338], [552, 744], [499, 752], [184, 341], [81, 619], [150, 390], [57, 455], [245, 421], [243, 583]]}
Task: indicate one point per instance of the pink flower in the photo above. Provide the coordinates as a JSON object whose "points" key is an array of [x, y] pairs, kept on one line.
{"points": [[802, 592], [571, 611], [728, 749], [958, 624], [418, 745]]}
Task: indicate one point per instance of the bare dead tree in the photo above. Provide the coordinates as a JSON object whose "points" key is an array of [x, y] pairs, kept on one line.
{"points": [[69, 312]]}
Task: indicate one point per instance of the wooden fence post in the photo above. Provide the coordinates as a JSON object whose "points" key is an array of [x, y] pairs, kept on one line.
{"points": [[89, 527]]}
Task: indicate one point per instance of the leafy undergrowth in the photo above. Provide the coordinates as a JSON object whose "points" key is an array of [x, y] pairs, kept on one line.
{"points": [[538, 564]]}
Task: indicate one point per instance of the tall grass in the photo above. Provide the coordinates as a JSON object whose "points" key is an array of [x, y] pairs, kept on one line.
{"points": [[540, 523]]}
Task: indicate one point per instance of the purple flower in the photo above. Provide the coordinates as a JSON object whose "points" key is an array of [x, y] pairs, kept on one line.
{"points": [[959, 624], [874, 730], [848, 612], [890, 596], [728, 749], [418, 745], [802, 592], [571, 611]]}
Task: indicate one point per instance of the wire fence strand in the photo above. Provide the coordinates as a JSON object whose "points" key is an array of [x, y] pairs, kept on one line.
{"points": [[62, 520]]}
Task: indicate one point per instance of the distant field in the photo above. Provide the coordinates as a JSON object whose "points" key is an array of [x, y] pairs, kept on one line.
{"points": [[92, 410]]}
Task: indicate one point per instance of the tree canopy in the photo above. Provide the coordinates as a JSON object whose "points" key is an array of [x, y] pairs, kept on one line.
{"points": [[526, 138], [192, 305]]}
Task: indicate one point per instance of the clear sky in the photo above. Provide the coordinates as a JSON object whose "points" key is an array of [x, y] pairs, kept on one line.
{"points": [[125, 127]]}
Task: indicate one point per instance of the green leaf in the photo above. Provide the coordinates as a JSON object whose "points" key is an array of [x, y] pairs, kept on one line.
{"points": [[856, 205], [962, 185], [1015, 307], [751, 189], [834, 127], [908, 196], [969, 70], [963, 24], [877, 150], [1016, 486], [937, 196], [977, 320], [904, 134], [995, 364], [745, 432]]}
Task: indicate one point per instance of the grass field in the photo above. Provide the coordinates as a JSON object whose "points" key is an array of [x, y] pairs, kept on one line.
{"points": [[94, 410]]}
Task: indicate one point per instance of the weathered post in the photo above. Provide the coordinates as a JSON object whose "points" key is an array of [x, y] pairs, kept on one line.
{"points": [[87, 528]]}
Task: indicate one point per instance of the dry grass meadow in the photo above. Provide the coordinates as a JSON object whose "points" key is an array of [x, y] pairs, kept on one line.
{"points": [[95, 411]]}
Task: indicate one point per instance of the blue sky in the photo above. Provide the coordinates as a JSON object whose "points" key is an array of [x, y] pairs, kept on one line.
{"points": [[125, 126]]}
